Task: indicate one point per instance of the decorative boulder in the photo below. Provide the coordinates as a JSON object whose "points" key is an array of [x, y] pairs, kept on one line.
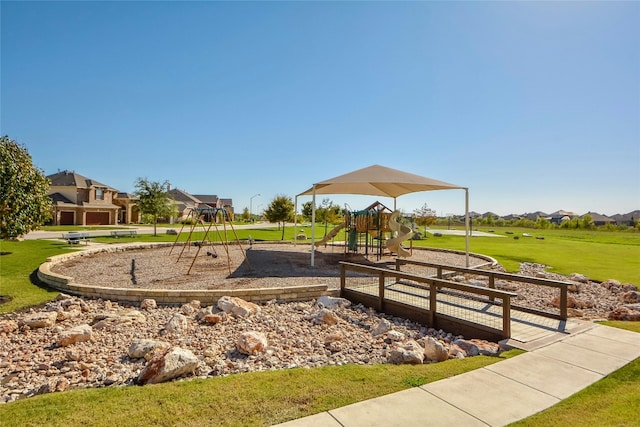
{"points": [[79, 333], [215, 317], [408, 352], [382, 327], [148, 304], [237, 306], [42, 319], [187, 309], [140, 348], [469, 348], [177, 323], [325, 317], [252, 343], [332, 302], [434, 350], [625, 313], [631, 297], [168, 364]]}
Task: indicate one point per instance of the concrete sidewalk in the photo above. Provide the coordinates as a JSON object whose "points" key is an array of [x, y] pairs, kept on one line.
{"points": [[498, 394]]}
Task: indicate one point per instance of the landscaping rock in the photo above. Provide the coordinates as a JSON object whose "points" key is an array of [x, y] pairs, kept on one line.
{"points": [[237, 306], [434, 350], [168, 364], [252, 343], [408, 352], [44, 319], [76, 334], [140, 348], [7, 326], [332, 302], [177, 323], [148, 304], [382, 327]]}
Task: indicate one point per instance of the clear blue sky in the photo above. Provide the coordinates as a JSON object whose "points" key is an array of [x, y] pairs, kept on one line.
{"points": [[532, 105]]}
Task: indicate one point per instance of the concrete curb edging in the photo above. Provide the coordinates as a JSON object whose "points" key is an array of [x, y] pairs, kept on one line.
{"points": [[165, 296]]}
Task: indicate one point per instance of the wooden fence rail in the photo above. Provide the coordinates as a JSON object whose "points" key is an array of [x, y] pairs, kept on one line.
{"points": [[432, 289], [493, 275]]}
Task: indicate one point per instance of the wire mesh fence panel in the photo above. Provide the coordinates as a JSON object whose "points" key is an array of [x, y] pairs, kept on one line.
{"points": [[367, 283], [460, 306], [407, 292]]}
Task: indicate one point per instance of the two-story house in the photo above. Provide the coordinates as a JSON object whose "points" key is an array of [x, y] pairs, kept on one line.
{"points": [[78, 200]]}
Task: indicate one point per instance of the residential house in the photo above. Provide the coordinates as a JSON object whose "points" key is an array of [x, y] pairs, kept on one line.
{"points": [[599, 219], [78, 200], [560, 216], [186, 202], [627, 219]]}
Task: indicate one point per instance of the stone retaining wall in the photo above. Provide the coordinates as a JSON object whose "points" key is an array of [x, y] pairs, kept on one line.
{"points": [[67, 285]]}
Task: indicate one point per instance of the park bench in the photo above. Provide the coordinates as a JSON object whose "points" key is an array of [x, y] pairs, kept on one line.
{"points": [[75, 237], [118, 233]]}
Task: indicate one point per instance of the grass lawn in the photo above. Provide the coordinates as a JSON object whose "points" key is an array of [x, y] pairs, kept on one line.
{"points": [[600, 255], [18, 265], [260, 398], [265, 398]]}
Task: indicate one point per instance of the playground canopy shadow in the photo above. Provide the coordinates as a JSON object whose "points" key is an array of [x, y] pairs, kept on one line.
{"points": [[282, 263]]}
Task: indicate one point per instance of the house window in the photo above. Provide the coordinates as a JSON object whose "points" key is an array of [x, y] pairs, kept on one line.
{"points": [[99, 194]]}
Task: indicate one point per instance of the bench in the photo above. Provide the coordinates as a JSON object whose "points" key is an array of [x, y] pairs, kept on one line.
{"points": [[74, 237], [118, 233]]}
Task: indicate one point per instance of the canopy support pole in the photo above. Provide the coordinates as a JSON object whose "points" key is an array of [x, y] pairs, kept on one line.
{"points": [[466, 225], [295, 223], [313, 227]]}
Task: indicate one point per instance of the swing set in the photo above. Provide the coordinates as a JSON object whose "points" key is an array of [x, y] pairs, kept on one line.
{"points": [[196, 218]]}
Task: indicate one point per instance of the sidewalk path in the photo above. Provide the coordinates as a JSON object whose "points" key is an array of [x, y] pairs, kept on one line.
{"points": [[140, 229], [498, 394]]}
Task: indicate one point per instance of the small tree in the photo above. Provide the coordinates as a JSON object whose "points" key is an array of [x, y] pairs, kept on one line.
{"points": [[246, 216], [425, 217], [154, 199], [280, 210], [24, 201]]}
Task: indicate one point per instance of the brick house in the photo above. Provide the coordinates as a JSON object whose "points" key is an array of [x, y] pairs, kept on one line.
{"points": [[78, 200], [186, 202]]}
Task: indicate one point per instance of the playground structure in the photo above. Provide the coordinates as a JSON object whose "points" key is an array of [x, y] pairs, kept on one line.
{"points": [[196, 217], [372, 231]]}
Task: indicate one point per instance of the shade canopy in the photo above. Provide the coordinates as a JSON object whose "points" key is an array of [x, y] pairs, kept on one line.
{"points": [[378, 180]]}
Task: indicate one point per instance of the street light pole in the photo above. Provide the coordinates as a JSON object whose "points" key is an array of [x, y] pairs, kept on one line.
{"points": [[251, 207]]}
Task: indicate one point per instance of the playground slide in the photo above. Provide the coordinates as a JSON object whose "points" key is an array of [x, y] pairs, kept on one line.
{"points": [[330, 235], [403, 233]]}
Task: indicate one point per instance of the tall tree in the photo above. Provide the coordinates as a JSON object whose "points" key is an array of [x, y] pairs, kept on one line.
{"points": [[24, 201], [280, 210], [154, 199]]}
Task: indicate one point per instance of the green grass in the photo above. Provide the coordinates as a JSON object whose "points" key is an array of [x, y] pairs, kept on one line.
{"points": [[612, 401], [260, 398], [270, 397], [600, 255], [18, 266]]}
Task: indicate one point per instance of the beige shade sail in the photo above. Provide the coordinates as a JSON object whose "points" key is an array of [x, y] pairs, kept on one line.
{"points": [[378, 180]]}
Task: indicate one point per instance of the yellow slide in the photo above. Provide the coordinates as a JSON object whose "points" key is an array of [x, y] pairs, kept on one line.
{"points": [[330, 235], [403, 233]]}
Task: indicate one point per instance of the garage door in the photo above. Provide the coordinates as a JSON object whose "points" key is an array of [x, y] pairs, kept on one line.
{"points": [[97, 218], [66, 218]]}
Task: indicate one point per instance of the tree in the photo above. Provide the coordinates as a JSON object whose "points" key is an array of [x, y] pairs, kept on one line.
{"points": [[246, 216], [24, 201], [154, 199], [280, 210], [425, 217]]}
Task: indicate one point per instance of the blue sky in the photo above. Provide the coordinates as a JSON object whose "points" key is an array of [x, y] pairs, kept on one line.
{"points": [[532, 105]]}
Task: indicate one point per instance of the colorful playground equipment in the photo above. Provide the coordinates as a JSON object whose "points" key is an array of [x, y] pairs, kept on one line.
{"points": [[371, 231]]}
